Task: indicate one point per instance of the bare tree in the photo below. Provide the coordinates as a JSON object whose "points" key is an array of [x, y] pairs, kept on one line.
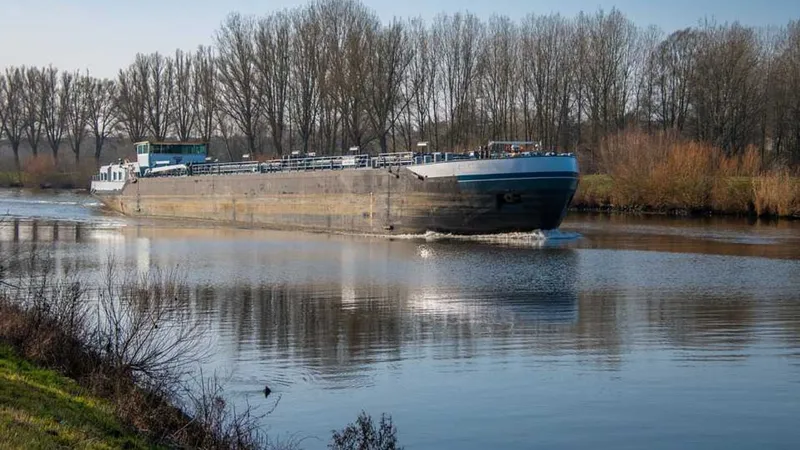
{"points": [[54, 106], [130, 99], [790, 66], [427, 71], [304, 77], [611, 40], [205, 88], [389, 57], [498, 83], [273, 41], [419, 86], [226, 127], [783, 93], [33, 104], [675, 65], [102, 112], [332, 75], [2, 109], [186, 95], [78, 111], [238, 75], [349, 26], [412, 84], [644, 110], [724, 86], [12, 109], [459, 39], [331, 23], [159, 87], [547, 78]]}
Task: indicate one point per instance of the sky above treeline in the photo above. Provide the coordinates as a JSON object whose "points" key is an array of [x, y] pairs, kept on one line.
{"points": [[104, 35]]}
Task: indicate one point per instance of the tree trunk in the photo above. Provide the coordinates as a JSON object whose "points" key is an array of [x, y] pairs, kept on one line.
{"points": [[15, 148], [251, 144], [98, 149], [384, 143]]}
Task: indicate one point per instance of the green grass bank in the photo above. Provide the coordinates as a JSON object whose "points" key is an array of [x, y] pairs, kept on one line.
{"points": [[40, 409]]}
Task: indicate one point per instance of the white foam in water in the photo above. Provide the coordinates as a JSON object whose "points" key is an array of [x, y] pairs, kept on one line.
{"points": [[536, 238]]}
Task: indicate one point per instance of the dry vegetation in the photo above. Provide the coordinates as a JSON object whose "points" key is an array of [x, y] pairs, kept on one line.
{"points": [[131, 344], [127, 341], [42, 172], [659, 172]]}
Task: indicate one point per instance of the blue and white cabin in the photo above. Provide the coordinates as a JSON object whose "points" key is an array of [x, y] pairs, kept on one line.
{"points": [[151, 155]]}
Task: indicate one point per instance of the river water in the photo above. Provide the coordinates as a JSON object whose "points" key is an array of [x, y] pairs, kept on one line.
{"points": [[614, 332]]}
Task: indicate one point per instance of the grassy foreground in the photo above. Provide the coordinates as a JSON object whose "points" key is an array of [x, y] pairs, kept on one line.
{"points": [[40, 409]]}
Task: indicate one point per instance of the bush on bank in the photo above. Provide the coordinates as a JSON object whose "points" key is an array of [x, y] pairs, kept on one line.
{"points": [[42, 172], [657, 172], [128, 343]]}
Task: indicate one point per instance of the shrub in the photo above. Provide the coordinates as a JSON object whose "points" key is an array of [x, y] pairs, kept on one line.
{"points": [[131, 345], [663, 172], [363, 435], [776, 193]]}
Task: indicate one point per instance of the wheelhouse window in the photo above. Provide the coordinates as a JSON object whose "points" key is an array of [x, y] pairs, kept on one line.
{"points": [[179, 149]]}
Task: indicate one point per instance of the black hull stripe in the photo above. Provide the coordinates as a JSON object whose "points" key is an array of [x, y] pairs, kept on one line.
{"points": [[516, 179], [516, 175]]}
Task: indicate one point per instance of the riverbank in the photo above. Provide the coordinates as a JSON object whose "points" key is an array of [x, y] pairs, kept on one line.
{"points": [[42, 172], [43, 409], [111, 371], [768, 195], [115, 364], [52, 180], [641, 172]]}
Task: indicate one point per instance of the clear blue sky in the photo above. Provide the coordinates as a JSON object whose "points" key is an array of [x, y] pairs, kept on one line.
{"points": [[104, 35]]}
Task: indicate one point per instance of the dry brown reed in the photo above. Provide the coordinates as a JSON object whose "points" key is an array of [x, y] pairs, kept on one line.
{"points": [[776, 193], [42, 171], [661, 172]]}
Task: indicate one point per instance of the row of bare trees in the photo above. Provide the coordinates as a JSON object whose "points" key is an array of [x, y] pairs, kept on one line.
{"points": [[48, 108], [330, 75]]}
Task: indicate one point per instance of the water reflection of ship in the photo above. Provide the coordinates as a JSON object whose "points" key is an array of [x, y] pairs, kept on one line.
{"points": [[55, 239], [448, 306], [21, 239], [505, 285], [34, 231]]}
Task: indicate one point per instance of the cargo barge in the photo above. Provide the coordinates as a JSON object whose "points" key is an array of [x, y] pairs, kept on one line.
{"points": [[506, 186]]}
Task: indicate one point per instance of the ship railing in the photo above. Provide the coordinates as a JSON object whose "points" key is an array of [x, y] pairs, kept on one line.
{"points": [[382, 160], [224, 168], [393, 159], [315, 163]]}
